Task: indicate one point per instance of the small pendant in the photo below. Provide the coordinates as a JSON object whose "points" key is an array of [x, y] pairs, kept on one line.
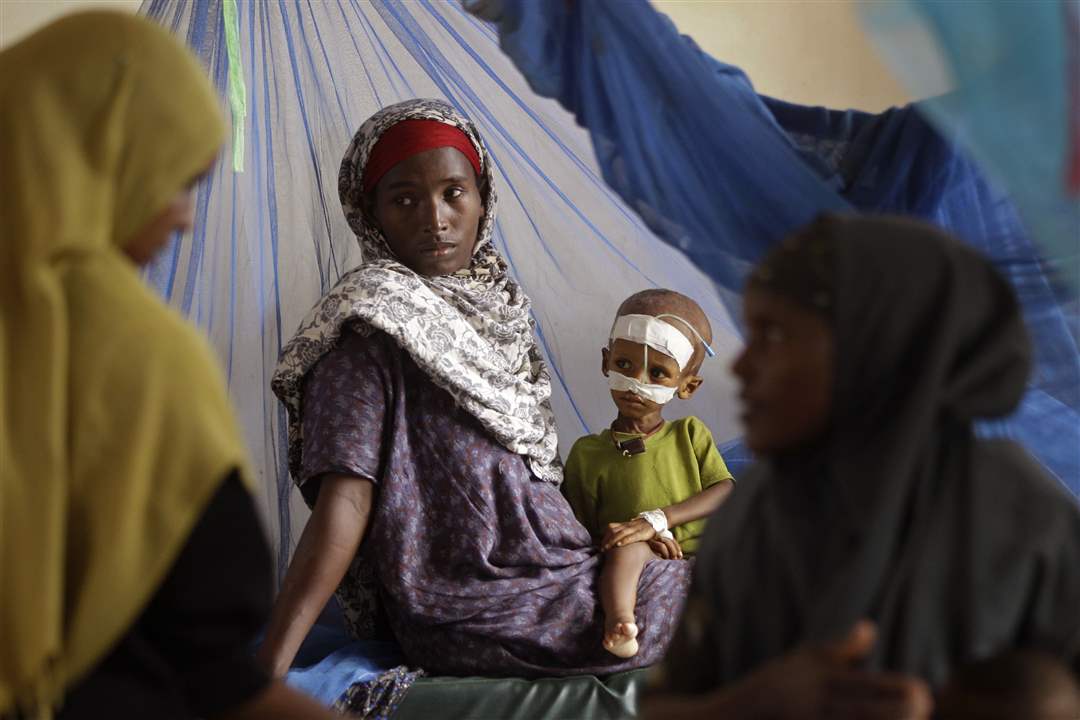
{"points": [[631, 447]]}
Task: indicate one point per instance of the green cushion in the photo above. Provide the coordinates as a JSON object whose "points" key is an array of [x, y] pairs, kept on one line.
{"points": [[474, 698]]}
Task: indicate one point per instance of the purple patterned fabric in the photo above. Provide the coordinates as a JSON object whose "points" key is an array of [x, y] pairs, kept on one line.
{"points": [[480, 569]]}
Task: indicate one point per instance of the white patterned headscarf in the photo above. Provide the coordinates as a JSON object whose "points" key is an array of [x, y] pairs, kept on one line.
{"points": [[470, 331]]}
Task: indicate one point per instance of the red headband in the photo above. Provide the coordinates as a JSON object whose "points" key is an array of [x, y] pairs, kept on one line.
{"points": [[412, 137]]}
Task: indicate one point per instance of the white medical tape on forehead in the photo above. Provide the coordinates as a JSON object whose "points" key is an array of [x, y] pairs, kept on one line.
{"points": [[655, 333], [659, 394], [708, 349]]}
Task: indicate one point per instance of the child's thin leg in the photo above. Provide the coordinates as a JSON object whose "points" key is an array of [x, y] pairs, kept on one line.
{"points": [[618, 596]]}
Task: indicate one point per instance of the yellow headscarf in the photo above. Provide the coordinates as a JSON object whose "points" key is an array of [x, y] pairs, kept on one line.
{"points": [[115, 427]]}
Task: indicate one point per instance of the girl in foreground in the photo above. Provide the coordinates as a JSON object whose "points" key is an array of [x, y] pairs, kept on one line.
{"points": [[133, 570], [878, 533]]}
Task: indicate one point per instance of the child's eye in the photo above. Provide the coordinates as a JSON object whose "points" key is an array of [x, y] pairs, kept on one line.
{"points": [[622, 364], [404, 201], [658, 373], [454, 193]]}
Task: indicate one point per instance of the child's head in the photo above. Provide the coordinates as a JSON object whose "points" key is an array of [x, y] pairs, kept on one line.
{"points": [[655, 350], [1019, 685]]}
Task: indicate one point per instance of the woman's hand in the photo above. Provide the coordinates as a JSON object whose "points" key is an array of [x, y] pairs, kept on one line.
{"points": [[619, 534], [823, 682], [666, 548], [810, 683]]}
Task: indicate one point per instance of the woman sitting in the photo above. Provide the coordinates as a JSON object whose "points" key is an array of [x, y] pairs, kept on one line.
{"points": [[873, 344], [420, 425]]}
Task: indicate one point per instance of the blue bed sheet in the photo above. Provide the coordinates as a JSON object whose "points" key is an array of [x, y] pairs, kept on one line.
{"points": [[330, 662]]}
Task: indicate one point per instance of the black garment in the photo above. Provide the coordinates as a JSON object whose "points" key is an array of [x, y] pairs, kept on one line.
{"points": [[189, 653], [958, 548]]}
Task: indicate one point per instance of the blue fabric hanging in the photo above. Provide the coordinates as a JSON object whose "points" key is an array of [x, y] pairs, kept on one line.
{"points": [[722, 173]]}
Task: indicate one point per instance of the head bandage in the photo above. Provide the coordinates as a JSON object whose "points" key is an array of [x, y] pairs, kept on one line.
{"points": [[653, 332]]}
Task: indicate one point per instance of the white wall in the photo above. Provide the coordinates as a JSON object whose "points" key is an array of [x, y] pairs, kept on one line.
{"points": [[807, 51], [812, 52]]}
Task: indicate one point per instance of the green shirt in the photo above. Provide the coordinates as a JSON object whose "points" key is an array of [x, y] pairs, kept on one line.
{"points": [[603, 486]]}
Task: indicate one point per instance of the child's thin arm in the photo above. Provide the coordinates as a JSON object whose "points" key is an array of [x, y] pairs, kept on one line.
{"points": [[698, 506], [694, 508]]}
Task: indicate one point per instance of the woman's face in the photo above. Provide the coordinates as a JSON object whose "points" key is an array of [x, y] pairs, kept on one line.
{"points": [[177, 217], [429, 209], [786, 374]]}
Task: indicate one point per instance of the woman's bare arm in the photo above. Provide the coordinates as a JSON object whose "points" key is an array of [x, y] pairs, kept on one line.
{"points": [[326, 549]]}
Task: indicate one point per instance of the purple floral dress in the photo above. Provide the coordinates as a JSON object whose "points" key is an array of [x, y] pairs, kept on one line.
{"points": [[480, 568]]}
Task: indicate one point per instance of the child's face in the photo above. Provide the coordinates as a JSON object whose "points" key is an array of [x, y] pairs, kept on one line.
{"points": [[628, 358]]}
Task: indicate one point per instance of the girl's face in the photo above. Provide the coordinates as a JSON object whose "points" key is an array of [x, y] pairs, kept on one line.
{"points": [[429, 209], [785, 372], [177, 217]]}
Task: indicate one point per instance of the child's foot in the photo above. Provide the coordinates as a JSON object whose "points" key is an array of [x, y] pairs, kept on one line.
{"points": [[620, 637]]}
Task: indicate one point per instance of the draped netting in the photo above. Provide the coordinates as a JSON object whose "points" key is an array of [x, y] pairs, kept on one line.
{"points": [[271, 239]]}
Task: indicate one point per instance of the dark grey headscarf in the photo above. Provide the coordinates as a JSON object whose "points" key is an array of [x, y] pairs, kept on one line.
{"points": [[956, 547]]}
